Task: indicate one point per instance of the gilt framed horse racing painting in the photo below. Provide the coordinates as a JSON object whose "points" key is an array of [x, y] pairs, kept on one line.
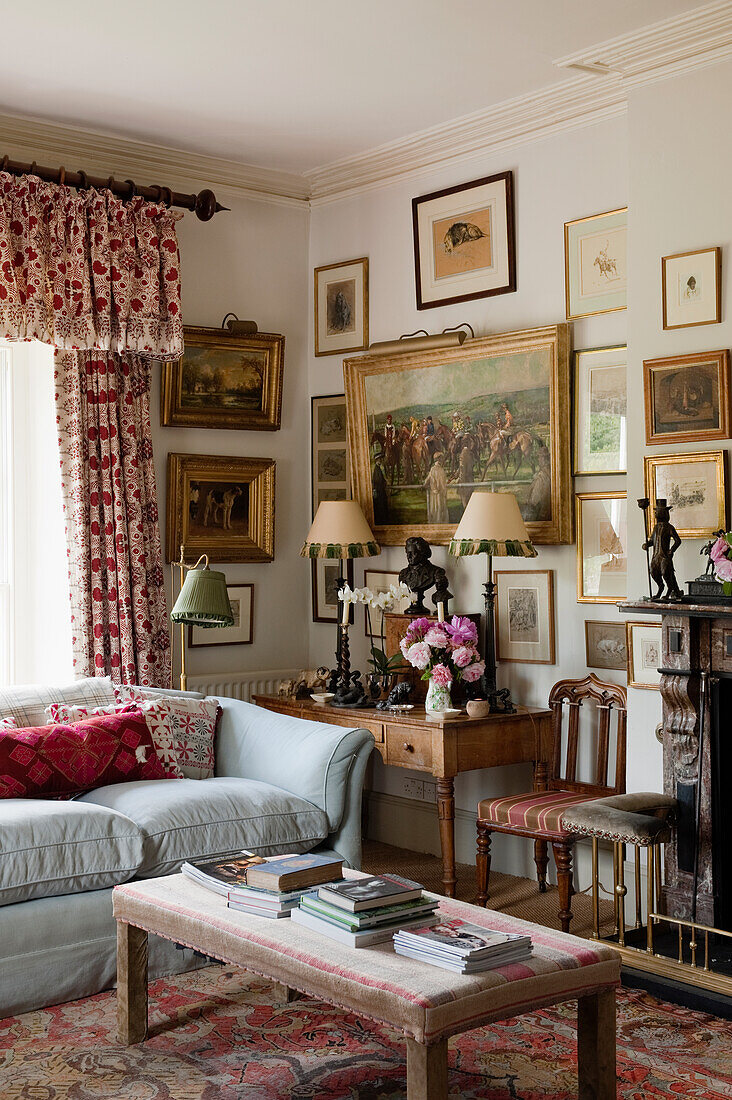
{"points": [[426, 429]]}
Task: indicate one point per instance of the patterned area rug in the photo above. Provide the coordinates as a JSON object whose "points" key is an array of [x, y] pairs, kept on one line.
{"points": [[218, 1034]]}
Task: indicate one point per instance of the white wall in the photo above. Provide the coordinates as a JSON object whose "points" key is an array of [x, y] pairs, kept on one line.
{"points": [[556, 180], [253, 261]]}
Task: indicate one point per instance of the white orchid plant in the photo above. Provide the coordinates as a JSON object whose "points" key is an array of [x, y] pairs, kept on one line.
{"points": [[378, 602]]}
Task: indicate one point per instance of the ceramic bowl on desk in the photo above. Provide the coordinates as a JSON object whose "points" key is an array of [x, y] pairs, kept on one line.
{"points": [[321, 696]]}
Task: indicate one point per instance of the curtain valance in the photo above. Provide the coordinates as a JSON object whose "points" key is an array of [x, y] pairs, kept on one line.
{"points": [[85, 271]]}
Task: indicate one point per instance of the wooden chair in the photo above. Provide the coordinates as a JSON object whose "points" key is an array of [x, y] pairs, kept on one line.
{"points": [[538, 814]]}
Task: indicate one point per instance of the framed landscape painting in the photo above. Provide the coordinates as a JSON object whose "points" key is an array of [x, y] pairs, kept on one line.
{"points": [[687, 397], [220, 506], [600, 410], [525, 615], [342, 307], [605, 645], [694, 485], [464, 242], [691, 287], [329, 448], [241, 598], [428, 428], [602, 547], [595, 264], [224, 381]]}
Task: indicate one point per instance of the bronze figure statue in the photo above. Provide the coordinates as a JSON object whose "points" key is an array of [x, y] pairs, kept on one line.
{"points": [[420, 574], [664, 541]]}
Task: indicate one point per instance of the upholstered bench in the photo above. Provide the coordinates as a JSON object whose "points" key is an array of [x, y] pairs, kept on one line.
{"points": [[426, 1003]]}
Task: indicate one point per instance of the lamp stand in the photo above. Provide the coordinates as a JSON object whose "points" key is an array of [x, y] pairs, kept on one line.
{"points": [[500, 700], [344, 688]]}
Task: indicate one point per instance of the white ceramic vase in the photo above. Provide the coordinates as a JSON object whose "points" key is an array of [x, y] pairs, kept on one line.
{"points": [[438, 698]]}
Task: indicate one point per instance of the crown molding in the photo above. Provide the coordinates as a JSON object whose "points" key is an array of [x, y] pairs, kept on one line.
{"points": [[35, 139]]}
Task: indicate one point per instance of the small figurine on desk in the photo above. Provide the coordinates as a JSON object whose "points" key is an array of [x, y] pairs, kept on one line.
{"points": [[706, 552], [398, 696], [420, 574], [664, 541]]}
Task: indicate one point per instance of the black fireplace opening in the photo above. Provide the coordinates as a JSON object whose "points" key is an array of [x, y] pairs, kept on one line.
{"points": [[721, 778]]}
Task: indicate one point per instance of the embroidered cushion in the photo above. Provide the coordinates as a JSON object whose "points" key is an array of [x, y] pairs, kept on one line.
{"points": [[193, 722], [8, 724], [156, 716], [43, 761], [535, 812]]}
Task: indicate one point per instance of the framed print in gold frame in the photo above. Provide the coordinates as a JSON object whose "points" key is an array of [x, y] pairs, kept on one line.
{"points": [[687, 397], [220, 506], [694, 485], [328, 449], [605, 644], [341, 303], [224, 381], [643, 647], [525, 616], [602, 541], [427, 428], [691, 288], [600, 410], [595, 264]]}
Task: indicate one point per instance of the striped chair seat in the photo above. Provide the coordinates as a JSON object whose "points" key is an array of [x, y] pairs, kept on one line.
{"points": [[538, 813]]}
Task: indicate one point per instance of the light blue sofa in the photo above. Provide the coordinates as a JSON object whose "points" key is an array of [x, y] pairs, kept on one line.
{"points": [[281, 784]]}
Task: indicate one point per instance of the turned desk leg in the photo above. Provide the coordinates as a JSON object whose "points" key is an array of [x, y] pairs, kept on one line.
{"points": [[596, 1046], [131, 984], [446, 815], [426, 1070]]}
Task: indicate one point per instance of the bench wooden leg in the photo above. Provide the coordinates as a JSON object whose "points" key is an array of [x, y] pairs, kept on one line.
{"points": [[286, 994], [131, 984], [596, 1046], [426, 1070]]}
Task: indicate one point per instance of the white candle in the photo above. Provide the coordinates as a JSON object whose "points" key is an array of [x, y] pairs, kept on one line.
{"points": [[440, 612], [344, 618]]}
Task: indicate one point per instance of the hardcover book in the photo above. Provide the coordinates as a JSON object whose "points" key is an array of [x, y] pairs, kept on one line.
{"points": [[368, 893]]}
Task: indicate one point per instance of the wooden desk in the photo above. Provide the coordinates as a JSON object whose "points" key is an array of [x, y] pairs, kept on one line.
{"points": [[442, 747]]}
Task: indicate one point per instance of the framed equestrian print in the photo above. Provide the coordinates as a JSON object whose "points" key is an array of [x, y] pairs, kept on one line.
{"points": [[595, 264], [328, 448], [341, 298], [224, 381], [426, 429], [220, 506], [464, 242]]}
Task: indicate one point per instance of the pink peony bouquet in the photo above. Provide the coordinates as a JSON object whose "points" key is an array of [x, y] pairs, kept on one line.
{"points": [[721, 556], [444, 652]]}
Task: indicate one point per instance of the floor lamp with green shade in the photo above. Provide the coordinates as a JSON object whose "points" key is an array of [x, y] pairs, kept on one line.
{"points": [[203, 601]]}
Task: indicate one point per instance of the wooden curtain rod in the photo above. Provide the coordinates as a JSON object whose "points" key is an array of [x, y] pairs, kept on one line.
{"points": [[203, 204]]}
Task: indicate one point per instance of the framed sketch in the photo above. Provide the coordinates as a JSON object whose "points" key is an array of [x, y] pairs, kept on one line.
{"points": [[687, 397], [643, 645], [379, 581], [600, 410], [427, 428], [694, 485], [329, 448], [342, 307], [241, 598], [605, 645], [595, 264], [224, 381], [325, 575], [602, 541], [691, 288], [525, 615], [464, 242], [221, 506]]}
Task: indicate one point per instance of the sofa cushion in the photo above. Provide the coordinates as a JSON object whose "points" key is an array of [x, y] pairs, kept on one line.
{"points": [[193, 722], [44, 761], [192, 819], [51, 848], [156, 715], [27, 703]]}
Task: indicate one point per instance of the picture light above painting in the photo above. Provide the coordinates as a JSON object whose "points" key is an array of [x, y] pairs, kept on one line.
{"points": [[224, 381]]}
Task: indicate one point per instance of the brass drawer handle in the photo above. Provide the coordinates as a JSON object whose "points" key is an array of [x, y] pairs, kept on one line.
{"points": [[408, 747]]}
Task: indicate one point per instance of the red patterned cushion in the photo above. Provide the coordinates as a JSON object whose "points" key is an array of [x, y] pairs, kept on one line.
{"points": [[533, 812], [42, 761]]}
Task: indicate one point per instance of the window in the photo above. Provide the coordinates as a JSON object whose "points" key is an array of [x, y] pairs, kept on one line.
{"points": [[35, 624]]}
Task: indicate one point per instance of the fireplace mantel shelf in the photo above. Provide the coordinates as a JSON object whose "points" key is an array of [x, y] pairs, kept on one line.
{"points": [[688, 607]]}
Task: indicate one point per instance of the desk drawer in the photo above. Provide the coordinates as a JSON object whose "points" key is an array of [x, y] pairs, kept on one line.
{"points": [[407, 747]]}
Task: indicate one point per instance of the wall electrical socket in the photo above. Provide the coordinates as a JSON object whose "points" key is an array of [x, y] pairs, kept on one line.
{"points": [[430, 791], [412, 788]]}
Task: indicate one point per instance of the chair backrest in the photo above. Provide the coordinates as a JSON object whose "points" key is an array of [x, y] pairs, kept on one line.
{"points": [[566, 698]]}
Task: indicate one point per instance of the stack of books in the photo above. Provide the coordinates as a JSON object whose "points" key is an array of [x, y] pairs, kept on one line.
{"points": [[462, 947], [266, 887], [366, 911]]}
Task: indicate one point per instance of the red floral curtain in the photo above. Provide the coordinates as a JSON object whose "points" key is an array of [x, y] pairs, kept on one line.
{"points": [[119, 615], [83, 270]]}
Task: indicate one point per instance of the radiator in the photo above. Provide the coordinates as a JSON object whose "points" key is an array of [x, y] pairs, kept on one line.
{"points": [[242, 685]]}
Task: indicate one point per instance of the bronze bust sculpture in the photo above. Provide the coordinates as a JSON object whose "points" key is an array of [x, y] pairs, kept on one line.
{"points": [[420, 574]]}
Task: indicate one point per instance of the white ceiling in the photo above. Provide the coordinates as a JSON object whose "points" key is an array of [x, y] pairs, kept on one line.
{"points": [[291, 84]]}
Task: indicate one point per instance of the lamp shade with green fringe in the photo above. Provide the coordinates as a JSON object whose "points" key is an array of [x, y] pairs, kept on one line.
{"points": [[203, 600], [340, 530], [492, 524]]}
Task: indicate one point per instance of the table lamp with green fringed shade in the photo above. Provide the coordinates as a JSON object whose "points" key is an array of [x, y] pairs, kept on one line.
{"points": [[202, 601], [492, 524], [339, 532]]}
